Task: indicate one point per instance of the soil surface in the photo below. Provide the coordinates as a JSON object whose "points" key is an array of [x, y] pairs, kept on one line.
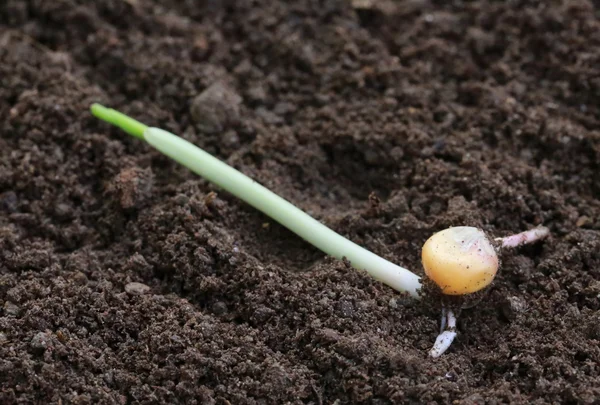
{"points": [[124, 278]]}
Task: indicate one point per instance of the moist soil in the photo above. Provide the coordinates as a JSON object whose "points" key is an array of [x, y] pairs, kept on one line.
{"points": [[125, 279]]}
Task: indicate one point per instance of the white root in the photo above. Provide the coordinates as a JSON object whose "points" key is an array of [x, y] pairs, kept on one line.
{"points": [[446, 337]]}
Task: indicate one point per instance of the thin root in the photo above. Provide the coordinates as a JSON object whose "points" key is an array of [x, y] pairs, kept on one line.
{"points": [[523, 238], [443, 321], [446, 337]]}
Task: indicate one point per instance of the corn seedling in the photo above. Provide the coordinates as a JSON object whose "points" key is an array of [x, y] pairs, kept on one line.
{"points": [[459, 260]]}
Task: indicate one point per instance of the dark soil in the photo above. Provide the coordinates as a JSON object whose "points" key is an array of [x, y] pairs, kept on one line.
{"points": [[450, 113]]}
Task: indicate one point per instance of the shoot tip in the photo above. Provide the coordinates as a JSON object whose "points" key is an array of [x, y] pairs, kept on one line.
{"points": [[98, 110], [127, 124]]}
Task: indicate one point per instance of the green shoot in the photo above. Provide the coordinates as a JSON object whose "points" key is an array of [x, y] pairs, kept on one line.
{"points": [[460, 260], [264, 200], [127, 124]]}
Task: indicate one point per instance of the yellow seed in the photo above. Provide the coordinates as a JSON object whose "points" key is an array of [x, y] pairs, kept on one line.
{"points": [[460, 260]]}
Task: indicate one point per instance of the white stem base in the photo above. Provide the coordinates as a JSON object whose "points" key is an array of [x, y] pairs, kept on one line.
{"points": [[282, 211]]}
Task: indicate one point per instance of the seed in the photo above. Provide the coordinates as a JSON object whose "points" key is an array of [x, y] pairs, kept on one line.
{"points": [[460, 260]]}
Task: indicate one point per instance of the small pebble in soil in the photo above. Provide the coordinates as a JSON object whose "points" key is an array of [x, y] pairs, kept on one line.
{"points": [[219, 308], [512, 307], [3, 338], [474, 399], [132, 187], [136, 288], [9, 201], [40, 342], [108, 377], [346, 308], [80, 278], [61, 336], [401, 301], [268, 116], [263, 313], [330, 335], [284, 108], [11, 309], [231, 139], [137, 262], [181, 200], [216, 108], [257, 94], [583, 222], [63, 211], [593, 329], [451, 376]]}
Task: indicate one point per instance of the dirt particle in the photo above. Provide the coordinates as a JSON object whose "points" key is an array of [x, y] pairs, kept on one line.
{"points": [[583, 221], [371, 157], [329, 335], [268, 116], [263, 313], [63, 211], [512, 307], [132, 187], [136, 288], [138, 263], [474, 399], [451, 376], [40, 342], [346, 308], [9, 201], [257, 94], [219, 308], [11, 309], [231, 140], [593, 329], [61, 336], [216, 108], [284, 108], [80, 278]]}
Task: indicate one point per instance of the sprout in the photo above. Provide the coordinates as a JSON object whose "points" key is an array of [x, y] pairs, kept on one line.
{"points": [[459, 260], [269, 203], [462, 261]]}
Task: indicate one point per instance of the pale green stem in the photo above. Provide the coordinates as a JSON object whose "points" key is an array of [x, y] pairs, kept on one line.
{"points": [[266, 201]]}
